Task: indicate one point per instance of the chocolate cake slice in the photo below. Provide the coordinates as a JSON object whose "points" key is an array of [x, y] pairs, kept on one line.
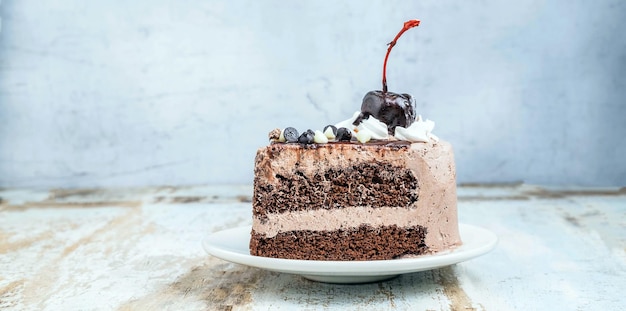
{"points": [[377, 186], [351, 201]]}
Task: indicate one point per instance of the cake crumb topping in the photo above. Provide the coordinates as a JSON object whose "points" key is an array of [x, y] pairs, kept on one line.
{"points": [[274, 135]]}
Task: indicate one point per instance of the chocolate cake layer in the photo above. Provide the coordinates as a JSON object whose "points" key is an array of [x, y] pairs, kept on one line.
{"points": [[360, 184], [360, 243]]}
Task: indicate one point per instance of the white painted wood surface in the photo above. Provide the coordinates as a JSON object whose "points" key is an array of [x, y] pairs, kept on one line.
{"points": [[139, 249]]}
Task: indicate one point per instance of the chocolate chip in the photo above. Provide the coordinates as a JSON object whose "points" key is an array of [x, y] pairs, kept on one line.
{"points": [[291, 134], [333, 128], [306, 137], [344, 134]]}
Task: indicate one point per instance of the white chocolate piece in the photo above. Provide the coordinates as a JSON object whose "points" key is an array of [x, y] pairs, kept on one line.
{"points": [[329, 133], [281, 138], [363, 136], [319, 137], [377, 129], [419, 131], [348, 123]]}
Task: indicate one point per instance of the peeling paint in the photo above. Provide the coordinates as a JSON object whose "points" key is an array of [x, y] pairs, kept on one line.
{"points": [[10, 294], [217, 284], [56, 194], [201, 199], [562, 193], [382, 288], [123, 220], [491, 185], [244, 198], [573, 220], [187, 199], [451, 288], [49, 204], [6, 246], [520, 192], [493, 198]]}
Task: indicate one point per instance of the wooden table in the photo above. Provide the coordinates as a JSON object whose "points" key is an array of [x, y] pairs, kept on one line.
{"points": [[140, 249]]}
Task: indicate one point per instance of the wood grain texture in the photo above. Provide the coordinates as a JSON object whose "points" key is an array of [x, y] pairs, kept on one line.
{"points": [[139, 249]]}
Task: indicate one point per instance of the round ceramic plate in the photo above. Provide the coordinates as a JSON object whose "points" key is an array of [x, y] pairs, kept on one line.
{"points": [[232, 245]]}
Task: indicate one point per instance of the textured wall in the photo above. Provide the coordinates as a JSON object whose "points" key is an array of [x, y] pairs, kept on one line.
{"points": [[118, 93]]}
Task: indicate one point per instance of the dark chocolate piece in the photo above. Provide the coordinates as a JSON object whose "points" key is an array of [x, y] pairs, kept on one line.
{"points": [[290, 134], [362, 243], [306, 137], [344, 134]]}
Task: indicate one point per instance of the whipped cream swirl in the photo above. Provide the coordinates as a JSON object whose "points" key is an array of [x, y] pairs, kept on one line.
{"points": [[419, 131]]}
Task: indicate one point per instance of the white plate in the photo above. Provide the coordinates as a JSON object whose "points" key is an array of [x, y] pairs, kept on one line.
{"points": [[232, 245]]}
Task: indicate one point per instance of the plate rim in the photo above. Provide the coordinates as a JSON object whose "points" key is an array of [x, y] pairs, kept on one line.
{"points": [[353, 268]]}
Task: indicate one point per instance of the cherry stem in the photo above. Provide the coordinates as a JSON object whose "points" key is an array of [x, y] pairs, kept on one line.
{"points": [[407, 25]]}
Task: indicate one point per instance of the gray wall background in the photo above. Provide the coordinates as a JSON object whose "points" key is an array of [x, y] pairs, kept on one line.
{"points": [[154, 92]]}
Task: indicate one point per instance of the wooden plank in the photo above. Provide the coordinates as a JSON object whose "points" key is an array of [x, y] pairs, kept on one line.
{"points": [[139, 249]]}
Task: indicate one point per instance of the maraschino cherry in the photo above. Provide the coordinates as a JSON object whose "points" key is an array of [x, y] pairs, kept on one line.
{"points": [[390, 108]]}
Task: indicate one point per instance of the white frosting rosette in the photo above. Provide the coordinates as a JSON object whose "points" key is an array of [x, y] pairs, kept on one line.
{"points": [[419, 131]]}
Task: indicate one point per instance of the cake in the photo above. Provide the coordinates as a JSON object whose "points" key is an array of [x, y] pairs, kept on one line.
{"points": [[376, 186]]}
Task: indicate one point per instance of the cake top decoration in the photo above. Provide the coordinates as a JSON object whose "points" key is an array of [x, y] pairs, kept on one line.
{"points": [[391, 108], [384, 116]]}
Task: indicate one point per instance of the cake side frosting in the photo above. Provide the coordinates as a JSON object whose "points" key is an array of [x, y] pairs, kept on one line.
{"points": [[431, 163], [438, 209]]}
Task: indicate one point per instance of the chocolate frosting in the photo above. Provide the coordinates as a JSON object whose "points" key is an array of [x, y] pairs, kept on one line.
{"points": [[432, 163]]}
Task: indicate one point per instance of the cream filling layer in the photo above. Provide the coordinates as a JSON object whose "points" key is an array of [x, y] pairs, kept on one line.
{"points": [[334, 219]]}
